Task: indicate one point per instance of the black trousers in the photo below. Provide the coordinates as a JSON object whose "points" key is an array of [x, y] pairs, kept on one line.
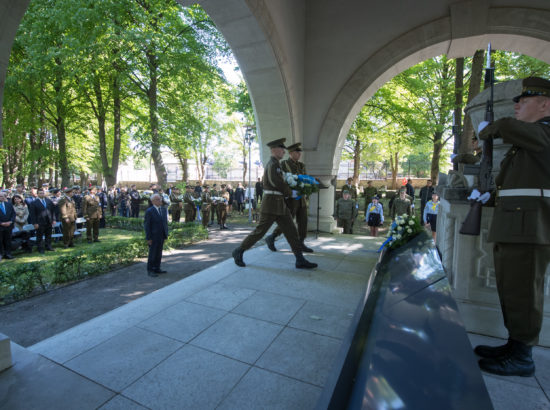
{"points": [[134, 210], [44, 231], [155, 255], [5, 241]]}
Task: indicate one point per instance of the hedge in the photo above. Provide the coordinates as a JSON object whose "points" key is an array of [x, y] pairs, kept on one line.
{"points": [[19, 281]]}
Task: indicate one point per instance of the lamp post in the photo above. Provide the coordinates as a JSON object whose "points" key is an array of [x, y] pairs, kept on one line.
{"points": [[248, 138]]}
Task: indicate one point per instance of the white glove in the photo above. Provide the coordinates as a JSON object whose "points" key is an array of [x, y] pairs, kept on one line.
{"points": [[481, 125], [474, 195], [484, 198], [294, 193]]}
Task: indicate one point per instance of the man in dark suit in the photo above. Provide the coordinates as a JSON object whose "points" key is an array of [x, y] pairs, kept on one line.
{"points": [[156, 231], [42, 216], [7, 218]]}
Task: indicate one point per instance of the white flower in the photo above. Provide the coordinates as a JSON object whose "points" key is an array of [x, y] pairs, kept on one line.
{"points": [[302, 184], [398, 236], [411, 222], [409, 230], [399, 228]]}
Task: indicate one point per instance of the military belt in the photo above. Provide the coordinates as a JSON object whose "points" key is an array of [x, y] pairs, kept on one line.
{"points": [[267, 191], [525, 192]]}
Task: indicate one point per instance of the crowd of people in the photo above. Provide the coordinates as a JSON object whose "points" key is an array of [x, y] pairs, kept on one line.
{"points": [[29, 217]]}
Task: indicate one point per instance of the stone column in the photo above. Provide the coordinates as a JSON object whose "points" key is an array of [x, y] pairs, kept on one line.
{"points": [[325, 200], [5, 352]]}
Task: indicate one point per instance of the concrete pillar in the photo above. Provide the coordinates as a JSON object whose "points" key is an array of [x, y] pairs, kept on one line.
{"points": [[324, 201]]}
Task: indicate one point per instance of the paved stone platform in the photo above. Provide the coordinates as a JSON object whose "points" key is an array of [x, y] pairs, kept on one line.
{"points": [[263, 336]]}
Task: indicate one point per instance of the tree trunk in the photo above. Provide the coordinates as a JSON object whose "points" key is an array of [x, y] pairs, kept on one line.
{"points": [[245, 164], [60, 125], [394, 166], [117, 140], [459, 96], [156, 154], [356, 160], [438, 146]]}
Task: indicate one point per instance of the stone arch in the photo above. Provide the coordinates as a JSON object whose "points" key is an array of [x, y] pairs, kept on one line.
{"points": [[512, 29]]}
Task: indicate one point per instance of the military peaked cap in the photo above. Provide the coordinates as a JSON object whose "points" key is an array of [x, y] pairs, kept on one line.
{"points": [[280, 143], [295, 147], [68, 189], [533, 86]]}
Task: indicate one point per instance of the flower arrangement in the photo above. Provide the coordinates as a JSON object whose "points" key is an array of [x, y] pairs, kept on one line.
{"points": [[197, 201], [402, 230], [305, 185]]}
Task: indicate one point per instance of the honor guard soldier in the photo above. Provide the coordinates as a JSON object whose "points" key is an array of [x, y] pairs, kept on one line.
{"points": [[520, 228], [214, 207], [189, 204], [274, 209], [91, 210], [298, 208], [345, 212], [369, 192], [206, 205], [176, 204], [223, 206], [67, 211]]}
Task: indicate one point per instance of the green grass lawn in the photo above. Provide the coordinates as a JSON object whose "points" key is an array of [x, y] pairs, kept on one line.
{"points": [[107, 236]]}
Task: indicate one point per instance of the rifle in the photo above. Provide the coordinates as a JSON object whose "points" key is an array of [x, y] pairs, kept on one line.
{"points": [[472, 223]]}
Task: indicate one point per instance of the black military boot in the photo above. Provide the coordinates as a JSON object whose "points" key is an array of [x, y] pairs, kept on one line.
{"points": [[492, 352], [303, 263], [305, 248], [518, 361], [270, 242], [238, 256]]}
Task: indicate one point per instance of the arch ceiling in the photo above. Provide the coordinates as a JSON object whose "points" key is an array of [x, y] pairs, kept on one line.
{"points": [[310, 65]]}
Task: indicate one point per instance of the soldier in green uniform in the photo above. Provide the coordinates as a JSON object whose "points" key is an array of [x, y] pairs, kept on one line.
{"points": [[188, 204], [352, 189], [345, 211], [298, 208], [274, 209], [223, 206], [91, 210], [401, 205], [520, 228], [214, 206], [176, 204], [67, 211], [370, 192], [206, 205]]}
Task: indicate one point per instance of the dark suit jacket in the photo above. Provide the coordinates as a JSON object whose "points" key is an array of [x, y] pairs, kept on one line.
{"points": [[9, 216], [40, 215], [156, 226]]}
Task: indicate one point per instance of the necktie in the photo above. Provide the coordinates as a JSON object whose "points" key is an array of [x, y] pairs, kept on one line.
{"points": [[2, 206], [158, 209], [44, 203]]}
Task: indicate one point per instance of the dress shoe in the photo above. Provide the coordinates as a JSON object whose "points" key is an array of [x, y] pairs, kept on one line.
{"points": [[160, 271], [270, 242], [492, 352], [517, 361], [303, 263], [305, 248], [152, 274], [225, 227], [8, 256], [238, 257]]}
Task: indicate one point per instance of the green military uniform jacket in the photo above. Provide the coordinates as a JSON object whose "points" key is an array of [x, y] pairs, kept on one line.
{"points": [[352, 190], [188, 200], [400, 207], [526, 165], [67, 209], [274, 203], [345, 209], [369, 193], [297, 168], [206, 201], [175, 202], [91, 208]]}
